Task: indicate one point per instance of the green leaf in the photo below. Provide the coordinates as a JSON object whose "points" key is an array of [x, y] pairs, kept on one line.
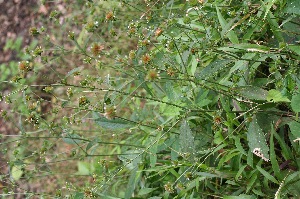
{"points": [[186, 138], [285, 150], [145, 191], [266, 174], [241, 196], [239, 146], [133, 180], [213, 68], [92, 143], [295, 103], [16, 172], [252, 92], [72, 138], [295, 48], [276, 96], [169, 110], [257, 141], [169, 89], [153, 151], [295, 128], [111, 123], [74, 71], [231, 34], [274, 162], [292, 7], [275, 27], [251, 181], [78, 195], [131, 159], [202, 98], [270, 3], [239, 172], [83, 168], [194, 66]]}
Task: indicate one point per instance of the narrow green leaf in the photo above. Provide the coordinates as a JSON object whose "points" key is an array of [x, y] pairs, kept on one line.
{"points": [[169, 89], [72, 138], [111, 123], [213, 68], [145, 191], [133, 179], [231, 34], [252, 92], [153, 151], [131, 159], [194, 66], [186, 138], [266, 174], [239, 172], [275, 27], [257, 141], [270, 3], [286, 152], [295, 103], [251, 182], [92, 143], [241, 196], [74, 71], [239, 146], [274, 162]]}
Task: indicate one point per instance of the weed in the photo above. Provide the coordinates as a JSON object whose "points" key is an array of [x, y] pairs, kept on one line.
{"points": [[203, 104]]}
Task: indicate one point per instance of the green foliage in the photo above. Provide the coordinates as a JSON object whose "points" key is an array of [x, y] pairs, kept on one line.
{"points": [[163, 99]]}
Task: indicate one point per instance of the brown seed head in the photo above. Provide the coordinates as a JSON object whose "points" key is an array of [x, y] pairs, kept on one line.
{"points": [[158, 32]]}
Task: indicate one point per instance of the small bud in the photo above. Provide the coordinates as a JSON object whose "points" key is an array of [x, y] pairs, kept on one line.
{"points": [[53, 15], [34, 31], [168, 187], [48, 89], [38, 51], [71, 35], [83, 101], [132, 54], [91, 26]]}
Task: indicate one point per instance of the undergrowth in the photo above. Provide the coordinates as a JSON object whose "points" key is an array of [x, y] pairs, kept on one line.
{"points": [[158, 99]]}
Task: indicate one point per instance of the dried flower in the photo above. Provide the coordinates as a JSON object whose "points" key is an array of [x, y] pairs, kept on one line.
{"points": [[25, 66], [109, 16], [158, 32], [152, 75], [170, 72], [146, 58], [109, 112], [97, 49]]}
